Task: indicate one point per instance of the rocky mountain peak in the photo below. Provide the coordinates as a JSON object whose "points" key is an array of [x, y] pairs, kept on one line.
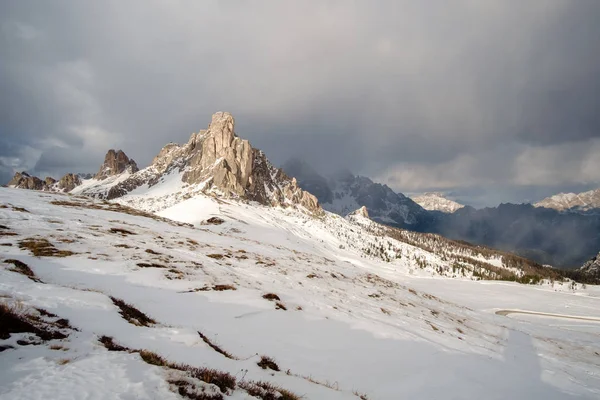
{"points": [[217, 161], [115, 163]]}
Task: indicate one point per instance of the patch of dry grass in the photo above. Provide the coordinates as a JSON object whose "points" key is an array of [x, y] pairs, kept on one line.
{"points": [[15, 319], [121, 231], [132, 314], [271, 297], [267, 362], [23, 269], [220, 288], [151, 265], [267, 391], [41, 247], [216, 347]]}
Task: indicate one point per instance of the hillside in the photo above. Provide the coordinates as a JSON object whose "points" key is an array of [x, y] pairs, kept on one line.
{"points": [[203, 284]]}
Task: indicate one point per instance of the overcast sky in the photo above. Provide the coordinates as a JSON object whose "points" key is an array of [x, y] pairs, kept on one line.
{"points": [[489, 100]]}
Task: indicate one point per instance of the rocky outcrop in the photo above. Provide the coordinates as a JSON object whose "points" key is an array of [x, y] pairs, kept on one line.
{"points": [[23, 180], [115, 163], [69, 182], [362, 212], [592, 266], [589, 272]]}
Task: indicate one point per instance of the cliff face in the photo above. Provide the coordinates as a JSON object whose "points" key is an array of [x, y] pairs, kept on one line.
{"points": [[115, 163]]}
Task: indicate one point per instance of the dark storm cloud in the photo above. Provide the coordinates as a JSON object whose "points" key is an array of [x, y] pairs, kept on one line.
{"points": [[417, 94]]}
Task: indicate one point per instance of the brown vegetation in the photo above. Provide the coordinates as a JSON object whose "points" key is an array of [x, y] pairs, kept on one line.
{"points": [[132, 314], [41, 247]]}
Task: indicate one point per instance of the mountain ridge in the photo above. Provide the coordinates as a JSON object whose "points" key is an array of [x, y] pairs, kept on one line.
{"points": [[436, 201], [573, 202]]}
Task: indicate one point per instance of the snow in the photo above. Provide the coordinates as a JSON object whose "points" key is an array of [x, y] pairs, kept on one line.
{"points": [[94, 186], [585, 201], [435, 201], [364, 324]]}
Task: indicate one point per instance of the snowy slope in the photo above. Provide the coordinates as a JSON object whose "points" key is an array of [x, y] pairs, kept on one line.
{"points": [[584, 201], [353, 325], [435, 201]]}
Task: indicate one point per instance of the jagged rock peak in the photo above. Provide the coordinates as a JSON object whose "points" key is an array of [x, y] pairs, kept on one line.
{"points": [[219, 162], [115, 163], [23, 180], [69, 182], [362, 212]]}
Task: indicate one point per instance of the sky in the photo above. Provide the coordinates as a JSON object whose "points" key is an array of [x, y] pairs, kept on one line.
{"points": [[489, 101]]}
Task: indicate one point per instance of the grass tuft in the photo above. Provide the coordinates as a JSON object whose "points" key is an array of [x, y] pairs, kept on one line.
{"points": [[132, 314], [187, 390], [110, 344], [121, 231], [271, 297], [153, 359], [268, 363], [216, 347], [23, 269], [16, 320], [220, 288], [151, 265], [267, 391]]}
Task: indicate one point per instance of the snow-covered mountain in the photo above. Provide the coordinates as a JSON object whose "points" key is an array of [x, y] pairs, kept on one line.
{"points": [[215, 298], [585, 201], [213, 161], [435, 201], [210, 274], [590, 271], [344, 192]]}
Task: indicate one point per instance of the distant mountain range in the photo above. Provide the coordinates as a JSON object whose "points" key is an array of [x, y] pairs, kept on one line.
{"points": [[344, 192], [585, 202], [436, 201], [549, 236]]}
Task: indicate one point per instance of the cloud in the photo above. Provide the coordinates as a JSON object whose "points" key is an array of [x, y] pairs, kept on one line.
{"points": [[443, 96]]}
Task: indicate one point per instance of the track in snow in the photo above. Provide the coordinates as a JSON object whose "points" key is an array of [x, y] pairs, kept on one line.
{"points": [[581, 318]]}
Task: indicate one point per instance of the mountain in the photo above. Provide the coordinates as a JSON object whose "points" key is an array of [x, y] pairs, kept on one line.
{"points": [[548, 236], [435, 201], [344, 192], [219, 163], [213, 161], [100, 300], [580, 202], [589, 272], [116, 163], [210, 274], [544, 235]]}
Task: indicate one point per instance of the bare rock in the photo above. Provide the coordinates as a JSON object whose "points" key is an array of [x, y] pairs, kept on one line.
{"points": [[23, 180], [69, 182], [115, 163]]}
